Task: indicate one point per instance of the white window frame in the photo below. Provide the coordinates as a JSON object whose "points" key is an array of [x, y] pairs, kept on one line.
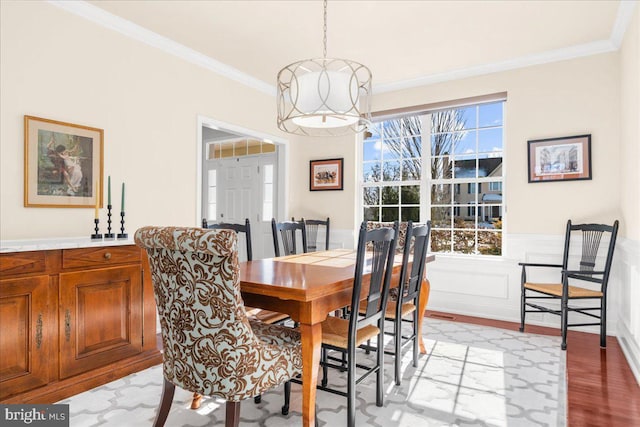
{"points": [[457, 184]]}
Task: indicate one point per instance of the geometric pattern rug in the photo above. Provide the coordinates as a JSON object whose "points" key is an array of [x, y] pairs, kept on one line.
{"points": [[471, 376]]}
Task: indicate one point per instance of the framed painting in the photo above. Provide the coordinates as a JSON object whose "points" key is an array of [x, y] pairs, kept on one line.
{"points": [[325, 174], [62, 164], [560, 159]]}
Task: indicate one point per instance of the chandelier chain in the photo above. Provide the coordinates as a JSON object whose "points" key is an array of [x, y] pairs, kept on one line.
{"points": [[324, 28]]}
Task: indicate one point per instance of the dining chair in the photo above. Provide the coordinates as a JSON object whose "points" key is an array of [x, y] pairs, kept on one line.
{"points": [[313, 226], [591, 238], [345, 335], [407, 299], [266, 316], [287, 231], [402, 231], [210, 345]]}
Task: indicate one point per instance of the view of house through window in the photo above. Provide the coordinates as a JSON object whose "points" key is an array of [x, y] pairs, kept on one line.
{"points": [[460, 190]]}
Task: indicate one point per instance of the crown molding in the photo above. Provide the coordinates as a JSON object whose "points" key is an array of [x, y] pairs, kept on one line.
{"points": [[587, 49], [136, 32], [623, 18]]}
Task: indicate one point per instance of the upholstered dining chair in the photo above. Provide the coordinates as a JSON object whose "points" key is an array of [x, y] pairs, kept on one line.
{"points": [[210, 345], [313, 226], [287, 231], [266, 316], [345, 335], [590, 269]]}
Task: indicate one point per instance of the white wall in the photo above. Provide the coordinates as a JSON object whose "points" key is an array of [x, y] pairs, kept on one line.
{"points": [[59, 66], [627, 294]]}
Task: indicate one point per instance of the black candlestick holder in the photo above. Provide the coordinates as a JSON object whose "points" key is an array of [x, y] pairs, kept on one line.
{"points": [[96, 235], [122, 234], [109, 234]]}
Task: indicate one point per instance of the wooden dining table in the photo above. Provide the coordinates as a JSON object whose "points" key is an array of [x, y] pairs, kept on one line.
{"points": [[308, 287]]}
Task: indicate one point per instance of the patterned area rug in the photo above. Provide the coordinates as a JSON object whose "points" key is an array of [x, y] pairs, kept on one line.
{"points": [[472, 376]]}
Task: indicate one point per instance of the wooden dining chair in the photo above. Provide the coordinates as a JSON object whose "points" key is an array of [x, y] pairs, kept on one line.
{"points": [[591, 238], [313, 226], [345, 335], [287, 231], [266, 316], [210, 345]]}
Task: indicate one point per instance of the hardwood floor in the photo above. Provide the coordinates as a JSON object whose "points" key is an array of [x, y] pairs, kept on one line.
{"points": [[602, 390]]}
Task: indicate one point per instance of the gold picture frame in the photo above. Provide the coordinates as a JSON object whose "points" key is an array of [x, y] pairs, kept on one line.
{"points": [[63, 164]]}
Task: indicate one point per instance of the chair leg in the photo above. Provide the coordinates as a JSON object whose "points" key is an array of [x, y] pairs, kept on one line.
{"points": [[197, 399], [287, 398], [351, 386], [523, 300], [168, 390], [233, 414], [565, 317], [325, 370], [416, 337], [603, 322], [380, 363], [397, 335]]}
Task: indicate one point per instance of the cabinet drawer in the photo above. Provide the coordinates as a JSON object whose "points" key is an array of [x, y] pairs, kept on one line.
{"points": [[22, 263], [99, 257]]}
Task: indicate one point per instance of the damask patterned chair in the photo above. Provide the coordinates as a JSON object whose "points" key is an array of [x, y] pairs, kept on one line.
{"points": [[210, 345], [266, 316]]}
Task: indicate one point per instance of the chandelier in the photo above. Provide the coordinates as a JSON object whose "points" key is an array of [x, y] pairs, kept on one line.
{"points": [[324, 96]]}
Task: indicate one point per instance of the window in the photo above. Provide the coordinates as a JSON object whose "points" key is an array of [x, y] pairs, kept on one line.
{"points": [[212, 213], [463, 148], [267, 188]]}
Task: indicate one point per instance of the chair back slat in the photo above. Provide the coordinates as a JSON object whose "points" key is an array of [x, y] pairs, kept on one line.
{"points": [[418, 238], [380, 268], [287, 231], [313, 228], [592, 243], [238, 228]]}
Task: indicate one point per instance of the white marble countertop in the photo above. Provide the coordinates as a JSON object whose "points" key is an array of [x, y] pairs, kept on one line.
{"points": [[7, 246]]}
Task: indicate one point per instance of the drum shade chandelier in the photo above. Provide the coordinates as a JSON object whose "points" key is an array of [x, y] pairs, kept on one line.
{"points": [[324, 96]]}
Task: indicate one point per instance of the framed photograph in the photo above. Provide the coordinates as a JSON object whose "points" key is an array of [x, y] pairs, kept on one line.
{"points": [[62, 164], [325, 174], [560, 159]]}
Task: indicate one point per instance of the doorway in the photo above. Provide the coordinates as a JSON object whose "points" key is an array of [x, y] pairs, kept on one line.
{"points": [[241, 175]]}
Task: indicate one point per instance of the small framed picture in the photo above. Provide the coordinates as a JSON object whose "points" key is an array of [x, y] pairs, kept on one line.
{"points": [[325, 174], [560, 159], [62, 164]]}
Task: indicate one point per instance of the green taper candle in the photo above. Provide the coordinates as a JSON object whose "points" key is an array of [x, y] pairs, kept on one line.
{"points": [[109, 190], [122, 204]]}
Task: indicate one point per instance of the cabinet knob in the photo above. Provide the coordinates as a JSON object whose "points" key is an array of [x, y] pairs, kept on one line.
{"points": [[107, 255]]}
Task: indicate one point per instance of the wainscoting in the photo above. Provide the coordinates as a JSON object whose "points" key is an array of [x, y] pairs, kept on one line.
{"points": [[490, 288]]}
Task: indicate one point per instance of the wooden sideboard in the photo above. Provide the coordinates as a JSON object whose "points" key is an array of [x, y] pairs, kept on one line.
{"points": [[73, 319]]}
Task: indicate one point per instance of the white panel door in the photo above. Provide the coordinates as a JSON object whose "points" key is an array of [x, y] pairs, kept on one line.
{"points": [[240, 188]]}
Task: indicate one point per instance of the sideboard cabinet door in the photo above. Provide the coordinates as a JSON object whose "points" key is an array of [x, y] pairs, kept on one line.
{"points": [[100, 318], [25, 336]]}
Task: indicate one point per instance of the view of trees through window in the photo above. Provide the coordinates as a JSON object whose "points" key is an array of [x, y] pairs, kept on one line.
{"points": [[461, 191]]}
